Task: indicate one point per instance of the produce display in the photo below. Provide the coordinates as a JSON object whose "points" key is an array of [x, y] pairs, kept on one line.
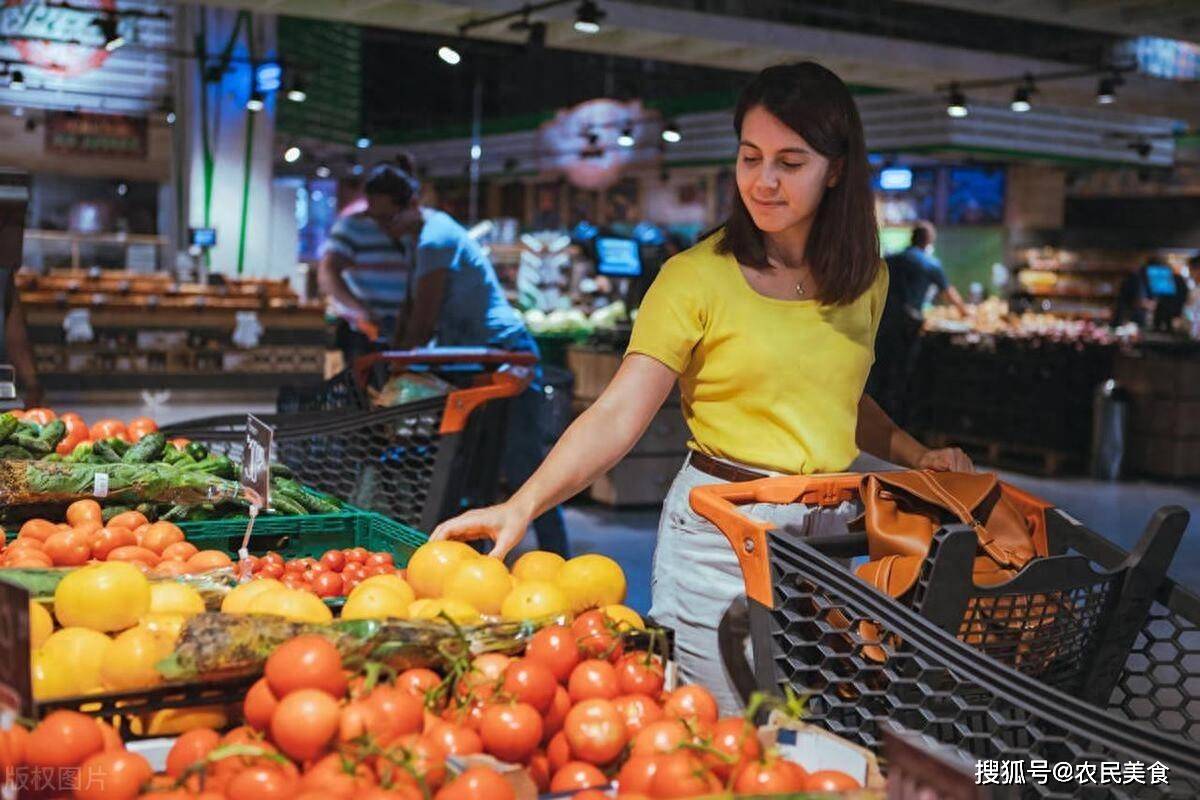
{"points": [[993, 317], [574, 321]]}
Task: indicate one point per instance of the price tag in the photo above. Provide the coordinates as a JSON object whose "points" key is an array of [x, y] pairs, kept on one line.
{"points": [[100, 484], [256, 478], [16, 687]]}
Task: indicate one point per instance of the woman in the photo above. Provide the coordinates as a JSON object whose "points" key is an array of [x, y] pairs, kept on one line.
{"points": [[768, 325]]}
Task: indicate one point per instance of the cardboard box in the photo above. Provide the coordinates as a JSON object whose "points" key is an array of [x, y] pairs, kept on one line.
{"points": [[815, 749]]}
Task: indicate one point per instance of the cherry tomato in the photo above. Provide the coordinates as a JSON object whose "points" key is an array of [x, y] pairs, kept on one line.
{"points": [[108, 539], [640, 673], [736, 739], [63, 739], [477, 783], [553, 719], [418, 681], [455, 739], [426, 758], [595, 731], [189, 748], [539, 771], [691, 703], [660, 737], [638, 711], [304, 723], [293, 581], [681, 774], [328, 584], [305, 662], [42, 416], [14, 743], [377, 569], [353, 571], [349, 584], [116, 775], [554, 646], [575, 775], [593, 679], [270, 569], [529, 681], [333, 560], [595, 636], [356, 555], [402, 713], [511, 732], [294, 567], [271, 557], [261, 783], [381, 558], [637, 774], [830, 780]]}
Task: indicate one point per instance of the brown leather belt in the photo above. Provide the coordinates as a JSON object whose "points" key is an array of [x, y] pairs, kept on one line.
{"points": [[721, 470]]}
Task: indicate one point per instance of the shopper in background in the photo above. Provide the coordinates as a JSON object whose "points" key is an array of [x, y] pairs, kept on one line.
{"points": [[768, 326], [14, 340], [913, 273], [455, 299]]}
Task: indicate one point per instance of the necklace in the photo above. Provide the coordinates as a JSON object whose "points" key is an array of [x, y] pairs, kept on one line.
{"points": [[800, 292]]}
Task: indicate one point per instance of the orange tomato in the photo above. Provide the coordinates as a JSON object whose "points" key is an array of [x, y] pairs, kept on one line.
{"points": [[179, 443], [135, 554], [169, 568], [115, 775], [83, 511], [88, 529], [179, 551], [41, 416], [30, 559], [69, 548], [108, 429], [39, 529], [17, 413], [77, 433], [129, 519], [112, 739], [140, 426], [110, 538], [26, 541], [208, 559], [161, 534]]}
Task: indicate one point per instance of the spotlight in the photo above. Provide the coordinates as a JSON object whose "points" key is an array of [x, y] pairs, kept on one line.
{"points": [[292, 154], [1106, 92], [626, 138], [587, 17], [108, 29], [323, 170], [363, 142], [17, 81], [170, 117], [671, 134], [956, 105], [296, 92], [449, 55], [1020, 101], [255, 103], [122, 189], [476, 152]]}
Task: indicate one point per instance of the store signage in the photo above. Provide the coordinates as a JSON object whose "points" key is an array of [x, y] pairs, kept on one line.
{"points": [[58, 38], [109, 135], [588, 143], [256, 460]]}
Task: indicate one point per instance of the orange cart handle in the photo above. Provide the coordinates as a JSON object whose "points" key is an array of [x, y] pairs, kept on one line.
{"points": [[445, 355], [460, 404]]}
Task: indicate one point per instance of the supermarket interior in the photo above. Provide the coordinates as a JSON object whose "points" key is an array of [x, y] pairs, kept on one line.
{"points": [[425, 243]]}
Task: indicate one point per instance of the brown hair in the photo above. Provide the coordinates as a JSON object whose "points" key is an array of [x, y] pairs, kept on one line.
{"points": [[843, 247], [923, 233]]}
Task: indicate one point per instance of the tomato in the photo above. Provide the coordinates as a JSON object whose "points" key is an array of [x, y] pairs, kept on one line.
{"points": [[161, 534], [589, 794], [637, 774], [400, 713], [511, 732], [333, 560], [736, 739], [304, 723], [576, 775], [485, 676], [638, 711], [108, 429], [14, 743], [772, 776], [42, 416], [377, 569], [691, 703], [261, 783], [259, 705], [68, 548], [84, 511], [116, 775], [305, 662], [356, 555], [269, 569], [135, 554], [554, 646], [381, 559], [681, 774], [140, 426], [110, 538], [190, 748], [418, 681], [529, 681], [595, 636], [63, 739], [640, 673], [477, 783], [553, 720], [39, 529], [330, 777], [426, 759], [271, 557], [593, 679], [595, 731], [294, 581], [660, 737], [129, 519], [328, 584], [455, 739], [77, 432], [830, 780]]}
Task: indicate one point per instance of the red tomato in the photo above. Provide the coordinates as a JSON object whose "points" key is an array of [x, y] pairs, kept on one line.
{"points": [[68, 548], [77, 431], [190, 748], [593, 679], [637, 774], [354, 571], [681, 774], [259, 705], [108, 429], [772, 776], [418, 681], [377, 569], [553, 719], [328, 584], [736, 739], [272, 557], [305, 662], [63, 739], [554, 646], [304, 723], [349, 584], [115, 775], [140, 426], [596, 637], [14, 743], [638, 711], [595, 731], [42, 416], [576, 775], [529, 681], [402, 713], [455, 739], [294, 567], [558, 751], [329, 778], [293, 581], [356, 555], [830, 780], [333, 560], [477, 783], [693, 703], [381, 558], [539, 771], [640, 673], [660, 737], [426, 759], [269, 569], [511, 732], [262, 783], [589, 794]]}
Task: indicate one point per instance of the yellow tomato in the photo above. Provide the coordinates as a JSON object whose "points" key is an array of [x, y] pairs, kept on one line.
{"points": [[534, 600], [482, 583], [41, 624], [52, 676], [376, 602], [538, 565], [591, 581], [294, 604], [166, 627], [129, 663], [108, 596], [390, 581], [239, 598], [81, 651], [169, 597], [458, 611], [624, 617], [431, 564]]}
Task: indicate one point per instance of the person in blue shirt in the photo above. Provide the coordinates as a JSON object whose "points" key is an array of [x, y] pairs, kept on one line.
{"points": [[456, 300], [912, 273]]}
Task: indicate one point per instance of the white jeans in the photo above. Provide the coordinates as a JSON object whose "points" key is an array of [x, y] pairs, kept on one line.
{"points": [[696, 577]]}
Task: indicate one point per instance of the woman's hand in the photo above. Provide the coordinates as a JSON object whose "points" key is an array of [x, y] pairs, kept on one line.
{"points": [[948, 459], [504, 524]]}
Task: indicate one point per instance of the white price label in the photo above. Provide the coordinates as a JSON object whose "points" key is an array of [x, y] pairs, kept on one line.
{"points": [[100, 484]]}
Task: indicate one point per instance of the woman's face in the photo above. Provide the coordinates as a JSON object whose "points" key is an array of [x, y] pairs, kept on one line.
{"points": [[780, 177]]}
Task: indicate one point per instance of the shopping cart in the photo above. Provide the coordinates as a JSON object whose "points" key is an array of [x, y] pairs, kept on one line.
{"points": [[1113, 675], [419, 462]]}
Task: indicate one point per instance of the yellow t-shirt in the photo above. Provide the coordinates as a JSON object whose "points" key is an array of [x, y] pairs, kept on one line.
{"points": [[769, 383]]}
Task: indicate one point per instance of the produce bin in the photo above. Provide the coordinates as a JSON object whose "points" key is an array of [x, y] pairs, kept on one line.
{"points": [[1109, 677], [418, 462]]}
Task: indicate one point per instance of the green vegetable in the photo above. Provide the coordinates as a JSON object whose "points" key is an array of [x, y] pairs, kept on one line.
{"points": [[176, 513], [297, 493], [221, 466], [173, 455], [285, 505], [12, 451], [281, 471], [149, 448], [32, 442], [53, 433], [29, 482], [103, 451], [8, 424], [119, 446], [196, 450], [81, 453], [53, 457]]}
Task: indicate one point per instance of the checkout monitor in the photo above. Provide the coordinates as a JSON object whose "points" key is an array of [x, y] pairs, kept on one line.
{"points": [[618, 257]]}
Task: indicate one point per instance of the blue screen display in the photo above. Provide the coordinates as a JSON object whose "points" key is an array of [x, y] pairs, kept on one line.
{"points": [[1160, 280], [618, 258]]}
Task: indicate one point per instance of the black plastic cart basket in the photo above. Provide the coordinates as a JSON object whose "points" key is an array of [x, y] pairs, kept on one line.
{"points": [[419, 462], [1111, 675]]}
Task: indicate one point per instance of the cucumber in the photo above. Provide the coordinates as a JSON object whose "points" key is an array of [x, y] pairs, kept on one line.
{"points": [[31, 442], [285, 505], [149, 448], [197, 451], [53, 433], [281, 471], [119, 446], [104, 452]]}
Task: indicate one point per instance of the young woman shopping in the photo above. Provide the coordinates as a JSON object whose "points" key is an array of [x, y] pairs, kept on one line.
{"points": [[768, 325]]}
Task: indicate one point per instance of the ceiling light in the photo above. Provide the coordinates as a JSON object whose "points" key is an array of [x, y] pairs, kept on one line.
{"points": [[1020, 102], [296, 92], [108, 29], [449, 55], [956, 103], [255, 103], [170, 117], [292, 154], [17, 81], [626, 138], [323, 170], [671, 134], [363, 142], [476, 152], [587, 17], [1106, 92]]}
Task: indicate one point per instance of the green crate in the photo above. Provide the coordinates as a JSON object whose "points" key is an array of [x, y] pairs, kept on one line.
{"points": [[309, 536]]}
